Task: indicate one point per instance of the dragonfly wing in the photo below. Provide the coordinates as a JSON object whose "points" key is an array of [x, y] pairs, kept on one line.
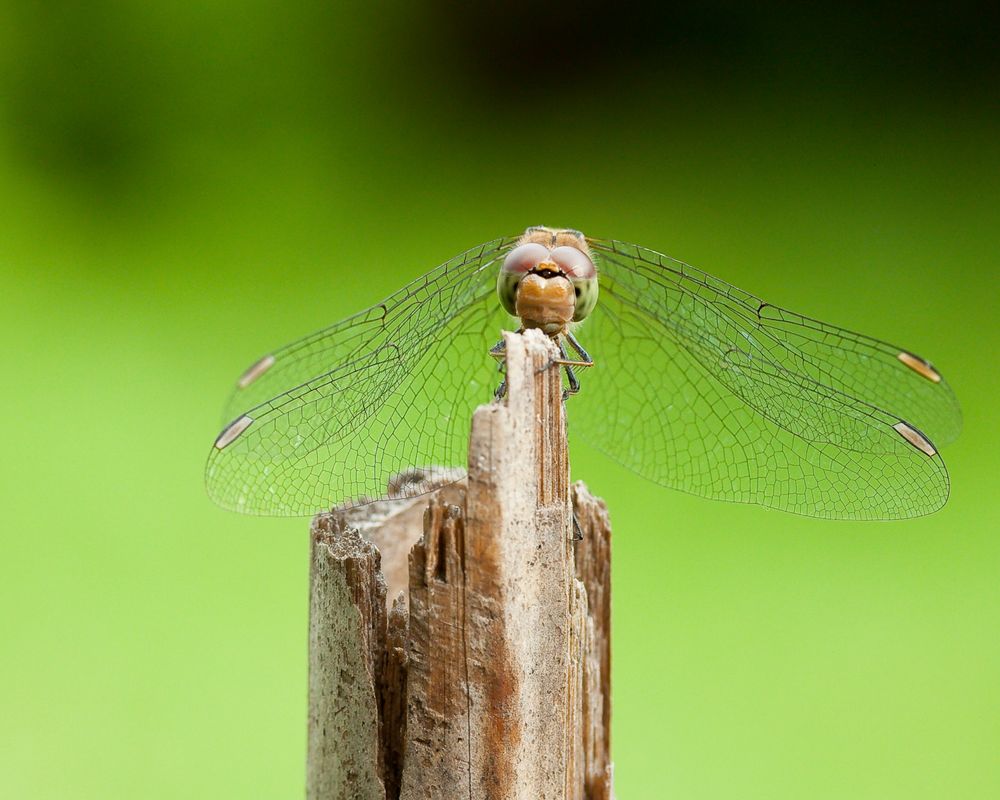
{"points": [[689, 392], [882, 374], [429, 298], [385, 390]]}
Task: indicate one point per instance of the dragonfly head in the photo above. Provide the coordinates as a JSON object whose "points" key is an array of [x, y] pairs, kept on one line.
{"points": [[548, 280]]}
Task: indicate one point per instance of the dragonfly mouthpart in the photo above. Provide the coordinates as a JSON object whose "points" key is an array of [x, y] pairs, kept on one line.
{"points": [[548, 271]]}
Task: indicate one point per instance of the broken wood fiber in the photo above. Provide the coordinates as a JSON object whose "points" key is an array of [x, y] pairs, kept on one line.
{"points": [[483, 671]]}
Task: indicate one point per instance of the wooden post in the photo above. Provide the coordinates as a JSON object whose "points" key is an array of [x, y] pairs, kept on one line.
{"points": [[489, 674]]}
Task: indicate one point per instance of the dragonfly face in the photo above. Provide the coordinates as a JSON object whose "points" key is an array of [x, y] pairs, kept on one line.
{"points": [[548, 280], [701, 386]]}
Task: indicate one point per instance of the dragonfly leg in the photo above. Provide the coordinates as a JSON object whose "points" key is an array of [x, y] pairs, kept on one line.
{"points": [[579, 348], [574, 382], [497, 351]]}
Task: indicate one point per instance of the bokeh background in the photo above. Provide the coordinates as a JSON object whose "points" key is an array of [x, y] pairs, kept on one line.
{"points": [[185, 185]]}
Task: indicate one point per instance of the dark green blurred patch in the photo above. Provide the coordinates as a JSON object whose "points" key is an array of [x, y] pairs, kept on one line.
{"points": [[101, 90], [522, 48]]}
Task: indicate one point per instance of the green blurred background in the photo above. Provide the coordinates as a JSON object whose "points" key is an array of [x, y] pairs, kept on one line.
{"points": [[184, 186]]}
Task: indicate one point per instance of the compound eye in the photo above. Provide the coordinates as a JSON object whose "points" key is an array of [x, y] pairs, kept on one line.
{"points": [[526, 257], [573, 262]]}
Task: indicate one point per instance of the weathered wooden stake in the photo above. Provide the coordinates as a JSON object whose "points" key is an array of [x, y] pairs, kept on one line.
{"points": [[488, 676]]}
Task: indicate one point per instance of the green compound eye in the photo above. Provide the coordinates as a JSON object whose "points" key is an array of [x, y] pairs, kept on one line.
{"points": [[507, 290], [519, 262], [586, 297]]}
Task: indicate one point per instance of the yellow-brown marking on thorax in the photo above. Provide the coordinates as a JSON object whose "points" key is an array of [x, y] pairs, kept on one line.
{"points": [[556, 237]]}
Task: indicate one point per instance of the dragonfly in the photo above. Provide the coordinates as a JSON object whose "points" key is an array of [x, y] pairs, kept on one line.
{"points": [[695, 385]]}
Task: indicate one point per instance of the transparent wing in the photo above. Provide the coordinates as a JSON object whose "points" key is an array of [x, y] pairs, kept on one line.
{"points": [[882, 374], [695, 390], [383, 391], [320, 352]]}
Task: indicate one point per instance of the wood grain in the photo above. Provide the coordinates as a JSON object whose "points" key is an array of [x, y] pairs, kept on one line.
{"points": [[489, 676]]}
